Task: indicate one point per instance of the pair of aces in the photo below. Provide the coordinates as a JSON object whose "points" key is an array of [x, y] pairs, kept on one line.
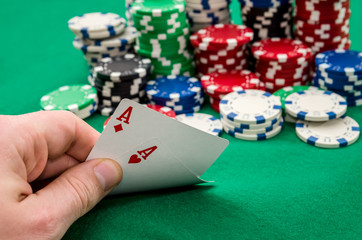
{"points": [[155, 151]]}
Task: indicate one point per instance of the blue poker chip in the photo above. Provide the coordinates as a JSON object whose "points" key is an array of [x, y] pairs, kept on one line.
{"points": [[340, 62], [174, 88], [352, 78], [178, 105], [335, 133], [339, 83]]}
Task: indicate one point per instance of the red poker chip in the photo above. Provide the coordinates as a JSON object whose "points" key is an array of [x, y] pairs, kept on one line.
{"points": [[162, 109], [211, 56], [220, 61], [279, 49], [327, 9], [283, 81], [215, 105], [223, 52], [106, 122], [270, 87], [224, 82], [329, 38], [322, 29], [293, 76], [330, 19], [221, 66], [225, 35], [289, 66]]}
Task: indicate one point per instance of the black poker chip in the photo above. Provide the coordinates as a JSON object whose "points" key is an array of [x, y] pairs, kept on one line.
{"points": [[124, 68]]}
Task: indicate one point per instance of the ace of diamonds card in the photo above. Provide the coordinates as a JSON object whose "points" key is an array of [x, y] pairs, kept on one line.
{"points": [[155, 151]]}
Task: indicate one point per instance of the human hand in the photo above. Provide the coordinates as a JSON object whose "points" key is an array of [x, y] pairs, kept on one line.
{"points": [[44, 145]]}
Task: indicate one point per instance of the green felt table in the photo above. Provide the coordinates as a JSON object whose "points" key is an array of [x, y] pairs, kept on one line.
{"points": [[281, 188]]}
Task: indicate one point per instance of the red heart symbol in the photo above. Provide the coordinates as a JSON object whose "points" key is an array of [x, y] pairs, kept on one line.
{"points": [[134, 159]]}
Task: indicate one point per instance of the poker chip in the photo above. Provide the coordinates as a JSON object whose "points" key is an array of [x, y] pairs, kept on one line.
{"points": [[282, 62], [106, 122], [204, 13], [203, 122], [315, 105], [340, 62], [323, 25], [82, 100], [256, 136], [119, 78], [340, 71], [251, 131], [221, 47], [163, 110], [283, 93], [126, 38], [180, 93], [220, 83], [106, 111], [336, 133], [95, 22], [251, 126], [101, 35], [126, 67], [250, 106], [268, 18], [128, 12], [163, 33]]}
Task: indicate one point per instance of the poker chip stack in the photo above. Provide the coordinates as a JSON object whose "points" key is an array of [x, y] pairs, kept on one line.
{"points": [[100, 35], [121, 77], [321, 120], [128, 12], [182, 94], [220, 83], [268, 18], [81, 100], [340, 71], [221, 47], [252, 115], [323, 24], [282, 62], [202, 14], [163, 36]]}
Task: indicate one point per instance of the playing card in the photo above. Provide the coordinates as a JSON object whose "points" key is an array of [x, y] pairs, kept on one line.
{"points": [[155, 151]]}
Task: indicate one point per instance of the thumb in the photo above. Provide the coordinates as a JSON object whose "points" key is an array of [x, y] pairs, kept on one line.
{"points": [[75, 192]]}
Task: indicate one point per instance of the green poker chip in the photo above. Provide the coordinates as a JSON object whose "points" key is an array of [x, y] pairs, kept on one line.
{"points": [[286, 91], [72, 98], [157, 8]]}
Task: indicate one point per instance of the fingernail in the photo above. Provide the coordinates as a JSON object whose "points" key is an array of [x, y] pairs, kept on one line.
{"points": [[108, 174]]}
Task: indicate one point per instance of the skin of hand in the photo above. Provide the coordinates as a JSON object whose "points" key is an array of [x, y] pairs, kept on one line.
{"points": [[43, 145]]}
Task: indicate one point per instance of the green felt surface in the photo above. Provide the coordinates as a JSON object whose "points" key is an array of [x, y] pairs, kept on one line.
{"points": [[277, 189]]}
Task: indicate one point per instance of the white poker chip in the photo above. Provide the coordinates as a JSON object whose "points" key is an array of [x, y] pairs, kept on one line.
{"points": [[256, 137], [95, 22], [336, 133], [250, 106], [251, 131], [126, 38], [315, 105], [264, 125], [201, 121]]}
